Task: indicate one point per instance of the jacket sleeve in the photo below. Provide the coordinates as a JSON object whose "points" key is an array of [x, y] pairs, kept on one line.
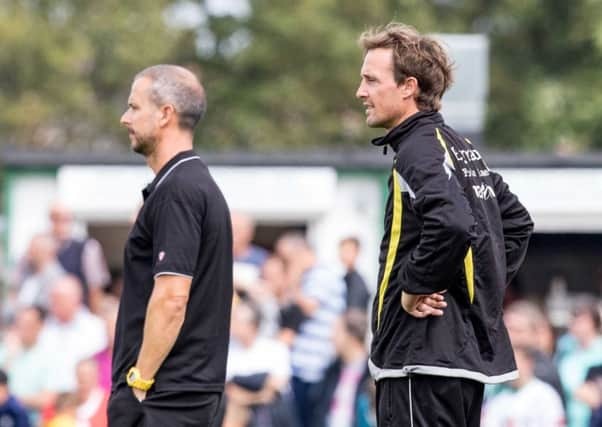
{"points": [[445, 214], [516, 223]]}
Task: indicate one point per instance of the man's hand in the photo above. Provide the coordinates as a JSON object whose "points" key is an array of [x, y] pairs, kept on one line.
{"points": [[139, 394], [423, 305]]}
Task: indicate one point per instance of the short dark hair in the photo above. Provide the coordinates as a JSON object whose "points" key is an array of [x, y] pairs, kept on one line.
{"points": [[175, 85], [414, 55]]}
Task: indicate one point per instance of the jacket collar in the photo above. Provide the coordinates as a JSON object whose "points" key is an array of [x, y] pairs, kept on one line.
{"points": [[396, 135]]}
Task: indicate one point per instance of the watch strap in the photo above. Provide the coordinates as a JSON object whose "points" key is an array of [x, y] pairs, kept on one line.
{"points": [[135, 380]]}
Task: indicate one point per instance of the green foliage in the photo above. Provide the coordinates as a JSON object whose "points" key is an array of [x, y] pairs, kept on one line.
{"points": [[545, 92], [66, 66], [285, 75]]}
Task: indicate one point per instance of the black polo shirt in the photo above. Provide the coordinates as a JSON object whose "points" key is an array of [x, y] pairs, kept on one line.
{"points": [[183, 228]]}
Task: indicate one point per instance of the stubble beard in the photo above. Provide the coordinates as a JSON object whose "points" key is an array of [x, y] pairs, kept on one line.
{"points": [[380, 122], [144, 145]]}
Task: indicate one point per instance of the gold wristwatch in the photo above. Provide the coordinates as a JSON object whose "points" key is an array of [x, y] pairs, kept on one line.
{"points": [[134, 380]]}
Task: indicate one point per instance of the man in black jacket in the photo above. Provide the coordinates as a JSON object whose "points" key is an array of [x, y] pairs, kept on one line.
{"points": [[454, 238]]}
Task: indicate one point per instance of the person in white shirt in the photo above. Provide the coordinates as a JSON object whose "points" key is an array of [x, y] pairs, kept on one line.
{"points": [[71, 333], [258, 370], [528, 402]]}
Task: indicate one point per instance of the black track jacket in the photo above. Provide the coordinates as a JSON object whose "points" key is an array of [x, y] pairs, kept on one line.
{"points": [[451, 224]]}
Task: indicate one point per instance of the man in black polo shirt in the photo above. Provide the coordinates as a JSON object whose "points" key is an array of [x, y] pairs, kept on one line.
{"points": [[172, 332]]}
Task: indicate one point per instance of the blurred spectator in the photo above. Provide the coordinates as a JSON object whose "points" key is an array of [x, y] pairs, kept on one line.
{"points": [[248, 258], [274, 295], [524, 320], [357, 291], [71, 332], [83, 258], [546, 338], [268, 292], [65, 410], [28, 364], [590, 393], [526, 401], [258, 375], [44, 270], [584, 327], [343, 399], [92, 399], [104, 358], [320, 293], [12, 414], [290, 314], [243, 230]]}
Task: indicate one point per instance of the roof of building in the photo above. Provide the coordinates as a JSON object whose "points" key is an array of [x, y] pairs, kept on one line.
{"points": [[371, 159]]}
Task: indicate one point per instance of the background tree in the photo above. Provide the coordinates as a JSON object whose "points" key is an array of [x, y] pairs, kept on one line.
{"points": [[65, 66], [282, 75]]}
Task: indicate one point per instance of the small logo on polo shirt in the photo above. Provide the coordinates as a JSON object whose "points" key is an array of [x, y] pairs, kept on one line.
{"points": [[161, 255]]}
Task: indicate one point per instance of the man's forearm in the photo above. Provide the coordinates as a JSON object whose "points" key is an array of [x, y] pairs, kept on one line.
{"points": [[164, 320]]}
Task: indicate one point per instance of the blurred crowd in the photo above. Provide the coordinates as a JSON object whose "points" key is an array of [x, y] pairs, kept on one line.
{"points": [[57, 332], [299, 349]]}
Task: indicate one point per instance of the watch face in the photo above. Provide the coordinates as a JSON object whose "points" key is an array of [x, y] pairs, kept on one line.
{"points": [[132, 376]]}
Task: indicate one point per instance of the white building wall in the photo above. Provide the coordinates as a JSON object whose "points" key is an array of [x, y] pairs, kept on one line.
{"points": [[331, 206]]}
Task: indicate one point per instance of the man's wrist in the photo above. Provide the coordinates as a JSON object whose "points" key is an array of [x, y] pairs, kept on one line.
{"points": [[409, 301], [134, 379]]}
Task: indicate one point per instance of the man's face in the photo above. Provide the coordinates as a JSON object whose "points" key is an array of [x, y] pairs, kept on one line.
{"points": [[142, 118], [582, 326], [382, 97], [28, 325], [348, 254], [61, 220], [273, 273], [520, 330], [64, 302], [87, 378], [242, 326]]}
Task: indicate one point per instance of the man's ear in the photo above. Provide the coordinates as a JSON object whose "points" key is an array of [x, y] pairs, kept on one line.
{"points": [[410, 88], [167, 113]]}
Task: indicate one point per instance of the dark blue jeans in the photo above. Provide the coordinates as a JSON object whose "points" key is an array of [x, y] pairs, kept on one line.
{"points": [[303, 401]]}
